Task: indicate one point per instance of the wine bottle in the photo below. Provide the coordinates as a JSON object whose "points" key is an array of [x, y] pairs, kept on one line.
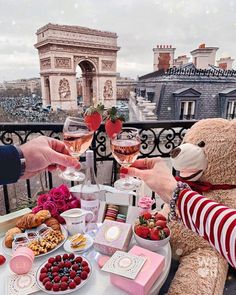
{"points": [[90, 190]]}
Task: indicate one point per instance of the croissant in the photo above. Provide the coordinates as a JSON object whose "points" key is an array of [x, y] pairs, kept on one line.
{"points": [[10, 236], [31, 220], [53, 223]]}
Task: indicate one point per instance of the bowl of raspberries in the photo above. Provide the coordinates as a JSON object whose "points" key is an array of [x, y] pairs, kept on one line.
{"points": [[63, 274], [151, 231]]}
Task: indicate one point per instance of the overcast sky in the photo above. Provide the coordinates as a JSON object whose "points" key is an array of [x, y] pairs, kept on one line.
{"points": [[140, 25]]}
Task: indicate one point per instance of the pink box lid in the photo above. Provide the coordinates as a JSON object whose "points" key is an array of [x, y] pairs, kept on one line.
{"points": [[148, 275]]}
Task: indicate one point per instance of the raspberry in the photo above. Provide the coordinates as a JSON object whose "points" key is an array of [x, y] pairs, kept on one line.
{"points": [[77, 280], [161, 223], [72, 274], [61, 264], [72, 285], [2, 259], [42, 276], [48, 265], [55, 274], [78, 259], [57, 279], [84, 263], [45, 280], [65, 257], [83, 275], [48, 286], [64, 286], [87, 269], [64, 279], [159, 216], [58, 258], [68, 264], [166, 231], [75, 267], [142, 231], [51, 260], [44, 269], [71, 256], [56, 287], [55, 269]]}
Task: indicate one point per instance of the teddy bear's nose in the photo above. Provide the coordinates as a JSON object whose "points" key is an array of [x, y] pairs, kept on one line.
{"points": [[174, 153]]}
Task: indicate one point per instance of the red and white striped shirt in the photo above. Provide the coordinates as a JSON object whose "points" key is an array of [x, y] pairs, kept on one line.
{"points": [[213, 221]]}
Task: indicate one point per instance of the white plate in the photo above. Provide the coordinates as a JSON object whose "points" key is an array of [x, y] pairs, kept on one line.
{"points": [[89, 244], [41, 286], [8, 251]]}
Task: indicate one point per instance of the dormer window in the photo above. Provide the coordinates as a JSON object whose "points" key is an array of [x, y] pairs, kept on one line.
{"points": [[231, 110], [186, 104], [227, 102]]}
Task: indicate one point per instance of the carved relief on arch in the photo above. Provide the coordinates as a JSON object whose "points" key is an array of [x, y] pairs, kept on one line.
{"points": [[64, 89], [45, 63], [108, 65], [78, 59], [108, 90], [63, 62]]}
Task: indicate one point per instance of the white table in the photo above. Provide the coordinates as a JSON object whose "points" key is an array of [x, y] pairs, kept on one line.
{"points": [[99, 283]]}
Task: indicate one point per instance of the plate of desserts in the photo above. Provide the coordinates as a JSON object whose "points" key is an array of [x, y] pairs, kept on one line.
{"points": [[40, 232], [78, 243], [63, 274]]}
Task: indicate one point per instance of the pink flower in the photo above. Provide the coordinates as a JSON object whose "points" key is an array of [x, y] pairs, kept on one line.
{"points": [[42, 199], [37, 209], [145, 202], [61, 205], [64, 191], [56, 194], [51, 207]]}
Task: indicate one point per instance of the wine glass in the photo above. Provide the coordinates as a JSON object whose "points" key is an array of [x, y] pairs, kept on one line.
{"points": [[77, 138], [125, 148]]}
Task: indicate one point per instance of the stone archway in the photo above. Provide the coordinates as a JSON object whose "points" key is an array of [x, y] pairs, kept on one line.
{"points": [[61, 49]]}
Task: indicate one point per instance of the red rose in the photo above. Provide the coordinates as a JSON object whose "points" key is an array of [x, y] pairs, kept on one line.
{"points": [[60, 219], [64, 191], [56, 194], [37, 209], [42, 199], [51, 207]]}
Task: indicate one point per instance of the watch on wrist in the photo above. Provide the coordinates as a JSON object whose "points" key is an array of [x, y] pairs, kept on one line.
{"points": [[22, 161]]}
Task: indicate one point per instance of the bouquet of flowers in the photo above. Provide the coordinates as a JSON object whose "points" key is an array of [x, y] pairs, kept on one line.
{"points": [[56, 201]]}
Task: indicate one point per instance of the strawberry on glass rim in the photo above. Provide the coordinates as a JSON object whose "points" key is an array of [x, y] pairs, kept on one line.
{"points": [[93, 116], [114, 122]]}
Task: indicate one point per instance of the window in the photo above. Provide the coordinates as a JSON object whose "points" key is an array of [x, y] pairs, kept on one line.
{"points": [[187, 110], [231, 110]]}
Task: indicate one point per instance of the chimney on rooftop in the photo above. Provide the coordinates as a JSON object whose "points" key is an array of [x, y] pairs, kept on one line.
{"points": [[163, 57], [225, 63], [204, 56]]}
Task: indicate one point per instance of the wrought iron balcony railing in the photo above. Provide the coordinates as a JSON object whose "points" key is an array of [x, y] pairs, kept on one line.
{"points": [[158, 138]]}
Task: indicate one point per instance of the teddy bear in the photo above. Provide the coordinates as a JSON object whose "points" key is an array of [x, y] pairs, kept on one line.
{"points": [[207, 159]]}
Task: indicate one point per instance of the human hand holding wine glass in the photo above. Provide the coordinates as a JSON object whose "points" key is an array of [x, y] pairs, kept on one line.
{"points": [[77, 138], [125, 147]]}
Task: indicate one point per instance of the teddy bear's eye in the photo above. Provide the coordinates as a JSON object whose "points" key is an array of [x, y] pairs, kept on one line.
{"points": [[201, 144]]}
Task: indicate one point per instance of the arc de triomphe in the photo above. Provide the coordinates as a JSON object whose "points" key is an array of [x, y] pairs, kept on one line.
{"points": [[61, 48]]}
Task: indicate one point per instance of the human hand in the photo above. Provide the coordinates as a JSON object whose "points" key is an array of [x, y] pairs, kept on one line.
{"points": [[43, 153], [155, 173]]}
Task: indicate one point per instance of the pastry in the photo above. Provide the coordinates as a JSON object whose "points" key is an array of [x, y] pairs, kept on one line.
{"points": [[10, 236], [53, 223], [78, 241], [31, 220]]}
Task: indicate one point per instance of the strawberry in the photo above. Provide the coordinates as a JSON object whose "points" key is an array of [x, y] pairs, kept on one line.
{"points": [[142, 231], [161, 223], [166, 231], [113, 123], [93, 117], [159, 216], [154, 234], [147, 215]]}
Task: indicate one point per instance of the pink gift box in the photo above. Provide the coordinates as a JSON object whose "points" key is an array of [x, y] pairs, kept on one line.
{"points": [[146, 278], [113, 236], [22, 260]]}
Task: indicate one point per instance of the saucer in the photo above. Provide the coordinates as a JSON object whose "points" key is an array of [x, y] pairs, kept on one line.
{"points": [[89, 244]]}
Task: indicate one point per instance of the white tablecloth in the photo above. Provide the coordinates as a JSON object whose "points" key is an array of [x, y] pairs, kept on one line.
{"points": [[99, 283]]}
